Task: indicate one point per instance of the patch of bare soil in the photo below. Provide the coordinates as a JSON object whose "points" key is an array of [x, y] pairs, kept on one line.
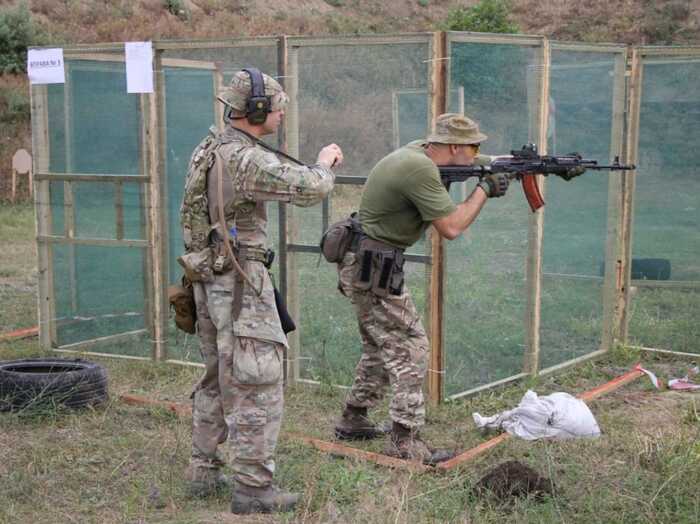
{"points": [[514, 479]]}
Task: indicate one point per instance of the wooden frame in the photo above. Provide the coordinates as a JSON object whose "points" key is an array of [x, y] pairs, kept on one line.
{"points": [[625, 134]]}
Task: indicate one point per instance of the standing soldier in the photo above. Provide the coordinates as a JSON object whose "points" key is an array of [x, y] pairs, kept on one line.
{"points": [[231, 176], [403, 195]]}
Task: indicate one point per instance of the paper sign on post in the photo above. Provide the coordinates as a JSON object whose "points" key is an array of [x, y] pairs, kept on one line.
{"points": [[45, 66], [139, 67]]}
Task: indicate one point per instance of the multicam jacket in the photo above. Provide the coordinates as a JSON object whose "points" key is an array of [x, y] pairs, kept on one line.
{"points": [[256, 175]]}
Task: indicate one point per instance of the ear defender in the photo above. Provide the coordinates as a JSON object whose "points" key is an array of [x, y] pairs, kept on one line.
{"points": [[258, 105]]}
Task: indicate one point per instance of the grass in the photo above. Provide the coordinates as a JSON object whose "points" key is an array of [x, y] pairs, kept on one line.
{"points": [[121, 463]]}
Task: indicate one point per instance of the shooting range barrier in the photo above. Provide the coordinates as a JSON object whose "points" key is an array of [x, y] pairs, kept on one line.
{"points": [[518, 294]]}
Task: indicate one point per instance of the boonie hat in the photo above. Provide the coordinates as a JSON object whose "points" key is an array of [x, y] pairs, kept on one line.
{"points": [[238, 91], [455, 128]]}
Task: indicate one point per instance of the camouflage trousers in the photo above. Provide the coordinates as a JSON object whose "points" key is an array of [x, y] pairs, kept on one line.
{"points": [[394, 350], [239, 400]]}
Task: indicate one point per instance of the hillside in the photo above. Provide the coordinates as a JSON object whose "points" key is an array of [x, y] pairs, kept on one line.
{"points": [[90, 21]]}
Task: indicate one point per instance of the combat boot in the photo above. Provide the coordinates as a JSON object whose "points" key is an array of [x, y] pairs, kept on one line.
{"points": [[354, 425], [406, 444], [269, 499], [207, 482]]}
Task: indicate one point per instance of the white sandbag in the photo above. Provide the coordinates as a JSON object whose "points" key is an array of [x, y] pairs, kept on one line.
{"points": [[556, 416]]}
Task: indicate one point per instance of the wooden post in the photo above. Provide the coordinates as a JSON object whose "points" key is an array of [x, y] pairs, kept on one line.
{"points": [[42, 208], [155, 129], [533, 267], [436, 281], [613, 293], [282, 59], [68, 200], [291, 275], [627, 202]]}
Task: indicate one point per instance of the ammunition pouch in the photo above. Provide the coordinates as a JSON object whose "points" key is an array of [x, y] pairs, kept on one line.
{"points": [[379, 268], [198, 265], [181, 298], [341, 237]]}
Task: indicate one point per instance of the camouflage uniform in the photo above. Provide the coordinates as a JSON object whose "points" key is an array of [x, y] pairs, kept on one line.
{"points": [[240, 395], [394, 350]]}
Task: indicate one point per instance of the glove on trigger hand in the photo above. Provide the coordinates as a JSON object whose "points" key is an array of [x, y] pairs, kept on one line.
{"points": [[573, 173], [494, 185]]}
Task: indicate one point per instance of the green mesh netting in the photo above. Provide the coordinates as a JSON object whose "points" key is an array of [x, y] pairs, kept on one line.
{"points": [[95, 128], [346, 96], [485, 288], [575, 228], [666, 230]]}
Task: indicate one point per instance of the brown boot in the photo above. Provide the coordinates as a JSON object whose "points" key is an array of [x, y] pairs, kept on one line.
{"points": [[203, 482], [354, 425], [406, 444], [269, 499]]}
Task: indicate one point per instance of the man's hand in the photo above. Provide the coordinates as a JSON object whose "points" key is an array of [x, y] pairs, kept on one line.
{"points": [[330, 156], [573, 173], [494, 185]]}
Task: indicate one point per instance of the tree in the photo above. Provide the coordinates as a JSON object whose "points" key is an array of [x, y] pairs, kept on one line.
{"points": [[488, 16], [17, 32]]}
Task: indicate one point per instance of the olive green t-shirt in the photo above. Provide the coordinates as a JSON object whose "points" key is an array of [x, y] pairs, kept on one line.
{"points": [[402, 196]]}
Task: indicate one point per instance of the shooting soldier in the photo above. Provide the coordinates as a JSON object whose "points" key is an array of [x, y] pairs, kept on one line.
{"points": [[403, 195]]}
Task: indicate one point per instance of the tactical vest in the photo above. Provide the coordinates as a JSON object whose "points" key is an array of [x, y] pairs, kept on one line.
{"points": [[194, 211]]}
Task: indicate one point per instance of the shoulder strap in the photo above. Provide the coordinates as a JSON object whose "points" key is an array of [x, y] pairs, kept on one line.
{"points": [[222, 222]]}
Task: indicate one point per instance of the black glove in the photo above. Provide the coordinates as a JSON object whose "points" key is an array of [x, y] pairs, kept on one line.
{"points": [[573, 173], [494, 185]]}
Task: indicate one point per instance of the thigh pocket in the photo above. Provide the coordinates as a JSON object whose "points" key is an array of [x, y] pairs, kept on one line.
{"points": [[256, 362], [250, 433]]}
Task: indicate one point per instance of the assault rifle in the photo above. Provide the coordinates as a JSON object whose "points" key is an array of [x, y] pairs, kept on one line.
{"points": [[523, 165]]}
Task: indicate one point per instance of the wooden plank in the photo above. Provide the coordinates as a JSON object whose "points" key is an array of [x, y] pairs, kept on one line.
{"points": [[230, 43], [354, 40], [157, 216], [282, 60], [68, 197], [106, 242], [46, 304], [490, 385], [291, 231], [119, 209], [346, 451], [436, 281], [189, 64], [612, 285], [218, 86], [533, 266], [489, 38], [119, 337], [144, 190], [627, 200], [88, 177], [667, 352], [578, 360], [181, 410], [19, 334], [588, 47]]}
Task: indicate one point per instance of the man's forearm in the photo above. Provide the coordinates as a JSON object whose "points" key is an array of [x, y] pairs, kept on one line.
{"points": [[466, 212]]}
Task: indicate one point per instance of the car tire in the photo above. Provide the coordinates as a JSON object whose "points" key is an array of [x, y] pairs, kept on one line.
{"points": [[51, 382]]}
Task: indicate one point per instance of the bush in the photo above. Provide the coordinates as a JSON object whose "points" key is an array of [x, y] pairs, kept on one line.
{"points": [[17, 32], [488, 16]]}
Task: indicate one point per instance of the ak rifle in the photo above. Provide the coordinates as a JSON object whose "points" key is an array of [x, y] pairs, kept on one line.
{"points": [[523, 165]]}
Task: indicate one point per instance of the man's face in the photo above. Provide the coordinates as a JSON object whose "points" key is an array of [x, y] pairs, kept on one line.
{"points": [[273, 121], [464, 155]]}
